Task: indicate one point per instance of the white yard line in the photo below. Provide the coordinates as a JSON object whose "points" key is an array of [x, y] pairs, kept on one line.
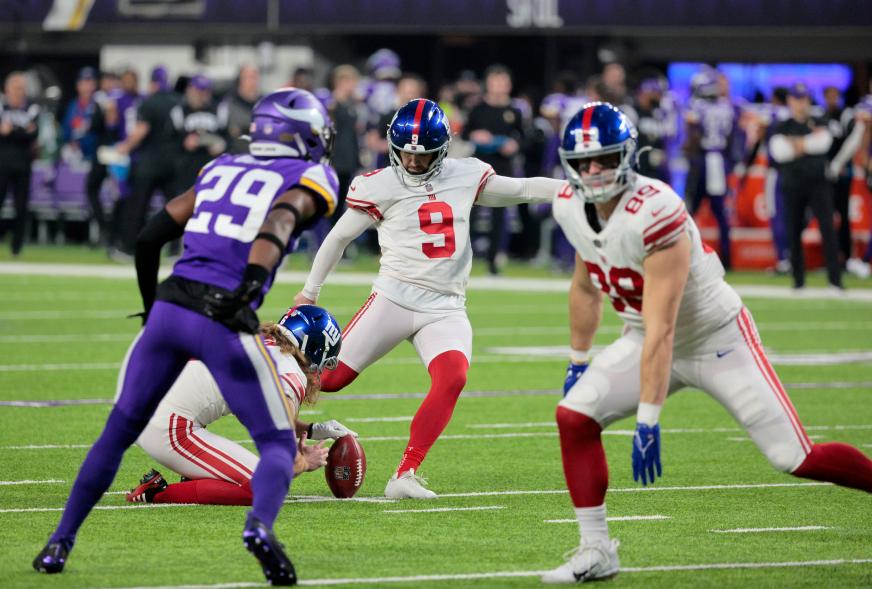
{"points": [[755, 530], [56, 339], [378, 419], [808, 326], [621, 518], [323, 498], [444, 509], [783, 359], [101, 507], [791, 386], [47, 447], [640, 489], [511, 435], [33, 482], [500, 283], [522, 574], [497, 355]]}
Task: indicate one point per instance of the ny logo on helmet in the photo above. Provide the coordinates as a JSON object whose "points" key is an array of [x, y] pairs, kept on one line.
{"points": [[331, 335], [586, 136]]}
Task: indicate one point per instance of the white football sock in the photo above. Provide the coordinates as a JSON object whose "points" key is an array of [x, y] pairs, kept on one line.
{"points": [[592, 523]]}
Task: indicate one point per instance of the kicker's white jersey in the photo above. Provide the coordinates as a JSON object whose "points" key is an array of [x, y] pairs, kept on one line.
{"points": [[195, 394], [423, 231], [649, 216]]}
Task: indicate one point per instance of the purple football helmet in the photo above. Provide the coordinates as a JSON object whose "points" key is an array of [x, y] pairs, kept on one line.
{"points": [[290, 122], [704, 84], [384, 64]]}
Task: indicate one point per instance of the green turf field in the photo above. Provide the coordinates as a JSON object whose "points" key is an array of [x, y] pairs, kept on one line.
{"points": [[63, 339]]}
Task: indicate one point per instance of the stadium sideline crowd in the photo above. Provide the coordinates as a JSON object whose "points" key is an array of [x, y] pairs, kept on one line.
{"points": [[110, 155]]}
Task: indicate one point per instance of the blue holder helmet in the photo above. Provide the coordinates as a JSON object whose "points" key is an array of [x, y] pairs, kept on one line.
{"points": [[596, 130], [418, 127], [316, 333]]}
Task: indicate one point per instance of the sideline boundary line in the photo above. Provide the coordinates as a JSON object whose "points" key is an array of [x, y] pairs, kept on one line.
{"points": [[515, 574], [501, 283]]}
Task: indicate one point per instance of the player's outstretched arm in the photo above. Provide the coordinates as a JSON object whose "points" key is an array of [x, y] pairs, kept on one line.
{"points": [[167, 225], [585, 313], [665, 271], [348, 228], [502, 191]]}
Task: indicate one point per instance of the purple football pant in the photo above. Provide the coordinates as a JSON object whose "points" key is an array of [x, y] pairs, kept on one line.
{"points": [[247, 378]]}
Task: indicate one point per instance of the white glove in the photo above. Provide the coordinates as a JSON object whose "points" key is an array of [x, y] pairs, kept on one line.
{"points": [[330, 429]]}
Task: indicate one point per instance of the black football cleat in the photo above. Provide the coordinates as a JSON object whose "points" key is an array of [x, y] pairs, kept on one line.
{"points": [[151, 484], [262, 543], [52, 558]]}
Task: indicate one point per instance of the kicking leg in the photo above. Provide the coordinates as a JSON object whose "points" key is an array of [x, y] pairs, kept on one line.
{"points": [[444, 344], [447, 379]]}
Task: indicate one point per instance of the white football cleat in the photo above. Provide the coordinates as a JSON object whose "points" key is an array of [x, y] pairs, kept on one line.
{"points": [[588, 562], [408, 486], [858, 268]]}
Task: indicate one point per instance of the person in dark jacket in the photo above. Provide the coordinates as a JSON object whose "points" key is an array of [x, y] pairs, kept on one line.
{"points": [[799, 146], [18, 131]]}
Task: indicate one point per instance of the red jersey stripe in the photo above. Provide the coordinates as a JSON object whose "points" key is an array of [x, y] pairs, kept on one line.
{"points": [[177, 433], [665, 230], [481, 183], [659, 222]]}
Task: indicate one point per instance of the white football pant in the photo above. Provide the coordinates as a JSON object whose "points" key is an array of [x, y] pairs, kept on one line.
{"points": [[730, 366]]}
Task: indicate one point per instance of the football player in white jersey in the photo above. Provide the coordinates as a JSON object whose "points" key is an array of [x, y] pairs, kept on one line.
{"points": [[218, 471], [684, 326], [421, 208]]}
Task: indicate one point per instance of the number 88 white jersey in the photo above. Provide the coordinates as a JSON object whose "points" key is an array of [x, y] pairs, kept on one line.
{"points": [[423, 231], [649, 215]]}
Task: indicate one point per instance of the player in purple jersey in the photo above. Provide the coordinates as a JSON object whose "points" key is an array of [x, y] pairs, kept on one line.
{"points": [[238, 223], [711, 129]]}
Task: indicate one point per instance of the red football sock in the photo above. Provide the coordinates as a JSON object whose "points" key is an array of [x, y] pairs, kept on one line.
{"points": [[448, 377], [337, 379], [206, 492], [584, 459], [837, 463]]}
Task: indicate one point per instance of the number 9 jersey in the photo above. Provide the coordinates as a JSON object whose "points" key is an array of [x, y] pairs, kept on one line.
{"points": [[234, 195], [649, 216], [423, 231]]}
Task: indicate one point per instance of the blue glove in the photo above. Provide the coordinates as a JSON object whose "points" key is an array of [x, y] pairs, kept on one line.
{"points": [[646, 453], [573, 373]]}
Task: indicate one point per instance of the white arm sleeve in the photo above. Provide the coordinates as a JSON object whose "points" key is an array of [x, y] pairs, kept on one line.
{"points": [[780, 149], [502, 191], [346, 230], [849, 147], [817, 142]]}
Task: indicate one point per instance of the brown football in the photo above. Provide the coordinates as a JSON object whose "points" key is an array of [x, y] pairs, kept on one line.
{"points": [[346, 467]]}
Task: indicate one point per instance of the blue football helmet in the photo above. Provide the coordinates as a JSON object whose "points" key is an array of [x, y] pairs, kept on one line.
{"points": [[598, 129], [316, 333], [418, 127]]}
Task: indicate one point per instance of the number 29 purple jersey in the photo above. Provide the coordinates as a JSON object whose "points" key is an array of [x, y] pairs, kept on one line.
{"points": [[234, 195]]}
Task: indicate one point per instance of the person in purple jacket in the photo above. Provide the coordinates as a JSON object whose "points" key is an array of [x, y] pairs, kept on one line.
{"points": [[238, 221], [710, 147]]}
